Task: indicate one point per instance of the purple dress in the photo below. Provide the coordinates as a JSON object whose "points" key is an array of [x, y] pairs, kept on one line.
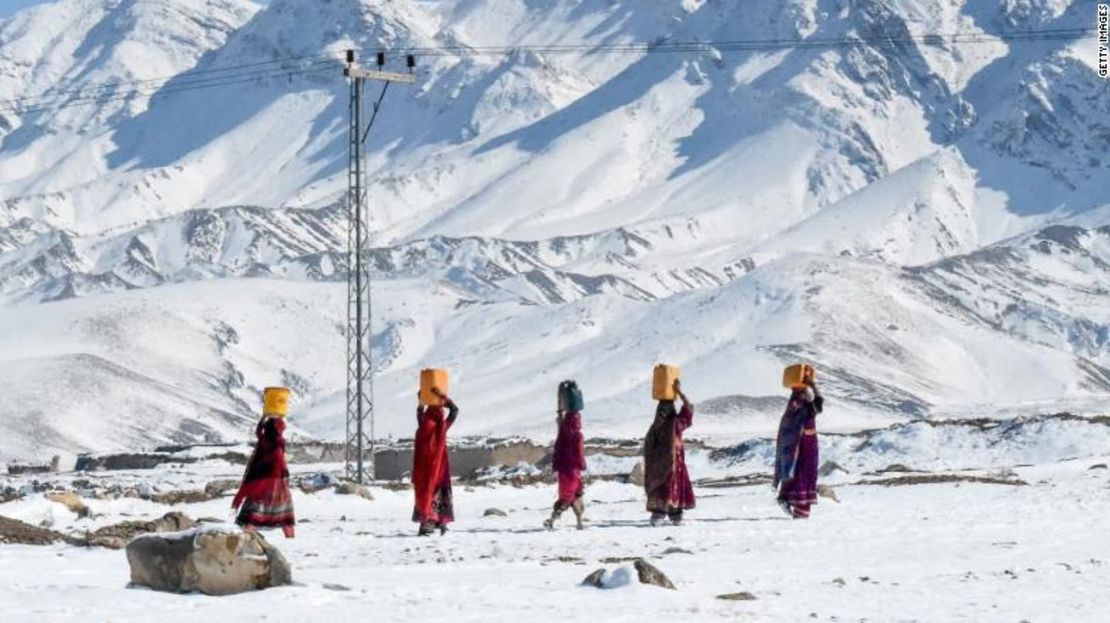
{"points": [[796, 453]]}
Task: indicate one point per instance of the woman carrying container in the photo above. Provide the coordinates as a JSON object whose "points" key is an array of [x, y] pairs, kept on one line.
{"points": [[431, 469], [264, 499], [666, 478], [569, 460], [796, 446]]}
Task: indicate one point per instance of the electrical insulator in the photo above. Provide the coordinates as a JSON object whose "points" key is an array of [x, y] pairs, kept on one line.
{"points": [[381, 59], [410, 60], [350, 57]]}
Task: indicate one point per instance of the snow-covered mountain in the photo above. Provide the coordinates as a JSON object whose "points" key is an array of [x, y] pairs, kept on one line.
{"points": [[924, 217]]}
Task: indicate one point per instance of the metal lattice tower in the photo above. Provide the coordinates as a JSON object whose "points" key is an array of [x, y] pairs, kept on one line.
{"points": [[360, 372]]}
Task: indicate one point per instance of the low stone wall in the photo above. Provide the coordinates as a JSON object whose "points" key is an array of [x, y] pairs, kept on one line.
{"points": [[396, 463]]}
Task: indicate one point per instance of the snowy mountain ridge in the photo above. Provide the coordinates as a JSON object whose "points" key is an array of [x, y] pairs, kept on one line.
{"points": [[924, 218]]}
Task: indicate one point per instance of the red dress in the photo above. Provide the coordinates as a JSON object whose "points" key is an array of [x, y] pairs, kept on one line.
{"points": [[431, 468], [264, 499], [569, 458]]}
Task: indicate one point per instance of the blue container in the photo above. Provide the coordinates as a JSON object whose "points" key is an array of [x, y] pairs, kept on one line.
{"points": [[570, 397]]}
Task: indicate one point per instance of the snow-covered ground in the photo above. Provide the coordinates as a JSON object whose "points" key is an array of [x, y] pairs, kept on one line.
{"points": [[927, 552]]}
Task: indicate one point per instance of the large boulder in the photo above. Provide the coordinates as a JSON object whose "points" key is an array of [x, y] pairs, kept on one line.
{"points": [[215, 559]]}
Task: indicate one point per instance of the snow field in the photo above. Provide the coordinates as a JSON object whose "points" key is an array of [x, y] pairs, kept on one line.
{"points": [[943, 552]]}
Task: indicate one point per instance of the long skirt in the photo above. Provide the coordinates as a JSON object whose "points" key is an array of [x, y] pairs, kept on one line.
{"points": [[270, 505], [800, 492], [441, 511], [570, 487], [670, 492]]}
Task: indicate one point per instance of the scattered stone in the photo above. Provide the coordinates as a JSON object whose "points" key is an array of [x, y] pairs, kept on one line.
{"points": [[830, 467], [651, 575], [927, 479], [676, 550], [15, 532], [212, 560], [621, 576], [747, 480], [825, 491], [117, 536], [612, 560], [353, 488], [840, 582], [595, 579], [494, 512], [71, 501], [636, 477], [337, 587], [1098, 466], [175, 498], [8, 494], [738, 596]]}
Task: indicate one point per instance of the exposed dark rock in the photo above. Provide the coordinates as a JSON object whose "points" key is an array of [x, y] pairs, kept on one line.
{"points": [[595, 579], [738, 596], [649, 574], [926, 479], [117, 536], [16, 532]]}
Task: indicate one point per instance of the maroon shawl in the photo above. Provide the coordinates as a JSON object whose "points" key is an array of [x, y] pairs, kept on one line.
{"points": [[666, 479]]}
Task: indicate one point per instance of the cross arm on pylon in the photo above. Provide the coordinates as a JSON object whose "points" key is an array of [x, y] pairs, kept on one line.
{"points": [[377, 74]]}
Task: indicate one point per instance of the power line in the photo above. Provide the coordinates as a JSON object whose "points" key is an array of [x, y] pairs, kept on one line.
{"points": [[665, 47], [159, 92], [185, 75], [238, 74]]}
